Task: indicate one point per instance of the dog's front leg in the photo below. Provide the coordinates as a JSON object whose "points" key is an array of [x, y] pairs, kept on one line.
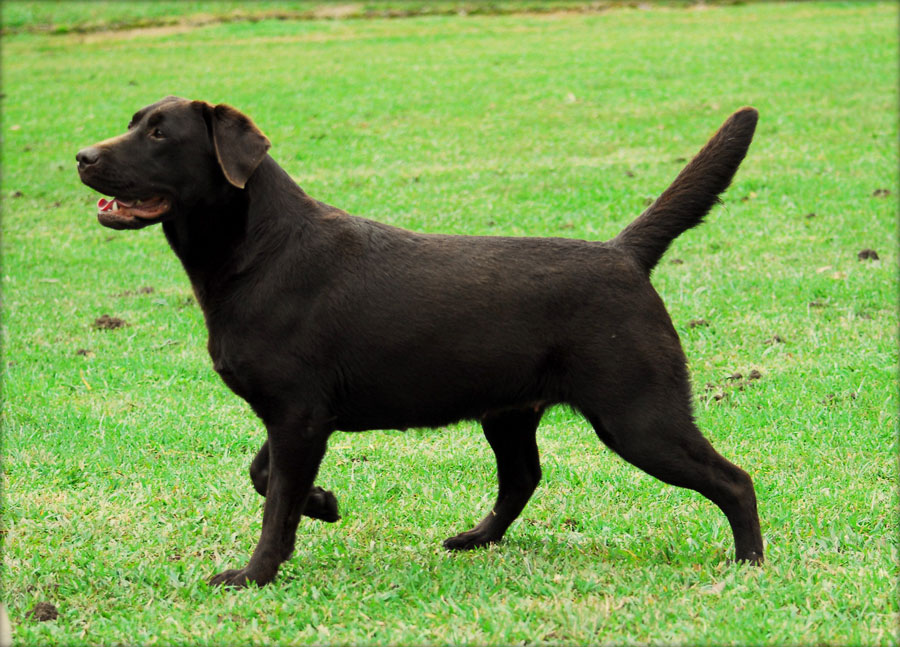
{"points": [[321, 504], [295, 451]]}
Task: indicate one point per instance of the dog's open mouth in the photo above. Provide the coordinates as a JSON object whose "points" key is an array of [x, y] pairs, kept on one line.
{"points": [[131, 214]]}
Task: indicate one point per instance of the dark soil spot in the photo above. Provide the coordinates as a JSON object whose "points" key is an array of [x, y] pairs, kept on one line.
{"points": [[677, 261], [867, 254], [811, 214], [570, 524], [697, 323], [43, 611], [17, 194], [717, 396], [775, 339], [816, 304], [359, 459], [130, 293], [681, 160], [105, 322], [721, 391], [567, 225], [835, 397], [629, 173], [84, 352], [880, 193]]}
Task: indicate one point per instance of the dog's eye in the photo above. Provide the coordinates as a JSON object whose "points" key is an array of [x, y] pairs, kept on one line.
{"points": [[156, 133]]}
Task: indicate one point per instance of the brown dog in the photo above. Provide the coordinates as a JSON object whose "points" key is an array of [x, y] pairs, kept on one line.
{"points": [[323, 321]]}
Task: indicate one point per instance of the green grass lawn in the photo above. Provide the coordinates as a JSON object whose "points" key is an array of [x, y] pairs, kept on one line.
{"points": [[125, 459]]}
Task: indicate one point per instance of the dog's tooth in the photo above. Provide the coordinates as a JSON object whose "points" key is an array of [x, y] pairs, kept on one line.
{"points": [[115, 205]]}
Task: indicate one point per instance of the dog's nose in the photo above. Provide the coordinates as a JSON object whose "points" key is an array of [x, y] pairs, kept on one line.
{"points": [[88, 156]]}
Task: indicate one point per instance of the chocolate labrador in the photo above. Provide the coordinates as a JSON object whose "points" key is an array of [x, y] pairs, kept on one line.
{"points": [[324, 321]]}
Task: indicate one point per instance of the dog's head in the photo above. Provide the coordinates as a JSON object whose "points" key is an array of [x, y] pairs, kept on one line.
{"points": [[176, 155]]}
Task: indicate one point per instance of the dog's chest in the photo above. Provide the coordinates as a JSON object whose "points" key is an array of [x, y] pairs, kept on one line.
{"points": [[227, 365]]}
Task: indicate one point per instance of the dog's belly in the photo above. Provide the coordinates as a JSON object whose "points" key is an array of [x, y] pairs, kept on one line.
{"points": [[421, 418], [436, 398]]}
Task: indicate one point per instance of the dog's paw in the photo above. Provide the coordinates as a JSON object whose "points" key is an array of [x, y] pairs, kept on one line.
{"points": [[233, 578], [471, 539], [753, 558], [238, 579], [322, 505]]}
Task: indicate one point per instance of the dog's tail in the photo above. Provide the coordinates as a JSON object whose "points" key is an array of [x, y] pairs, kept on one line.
{"points": [[693, 193]]}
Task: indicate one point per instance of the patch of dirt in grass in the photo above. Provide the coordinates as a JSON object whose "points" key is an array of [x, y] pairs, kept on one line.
{"points": [[837, 398], [735, 381], [142, 290], [867, 255], [336, 11], [103, 34], [105, 322], [43, 611], [697, 323]]}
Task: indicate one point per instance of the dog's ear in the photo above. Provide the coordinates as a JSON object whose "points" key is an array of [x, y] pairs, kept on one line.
{"points": [[240, 146]]}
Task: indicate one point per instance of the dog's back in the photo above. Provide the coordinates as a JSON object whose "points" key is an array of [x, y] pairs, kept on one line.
{"points": [[500, 322]]}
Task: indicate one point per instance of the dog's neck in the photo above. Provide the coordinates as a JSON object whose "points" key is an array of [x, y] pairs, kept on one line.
{"points": [[228, 235], [205, 236]]}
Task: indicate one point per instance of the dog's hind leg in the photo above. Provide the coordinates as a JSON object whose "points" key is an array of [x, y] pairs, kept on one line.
{"points": [[321, 504], [668, 445], [511, 435]]}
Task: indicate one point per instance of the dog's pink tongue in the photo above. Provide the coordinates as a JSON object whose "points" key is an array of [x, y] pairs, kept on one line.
{"points": [[105, 205]]}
